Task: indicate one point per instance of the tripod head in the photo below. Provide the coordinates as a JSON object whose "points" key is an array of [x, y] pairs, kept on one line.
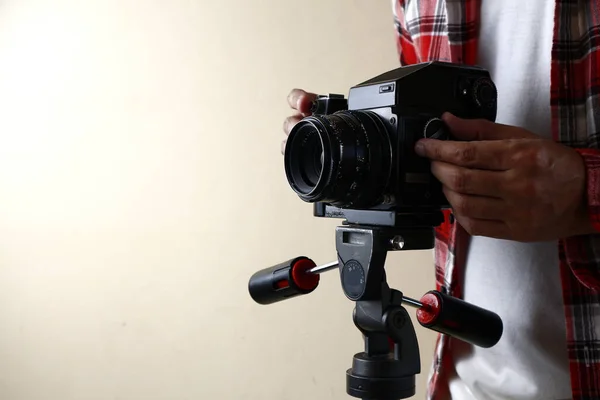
{"points": [[387, 367]]}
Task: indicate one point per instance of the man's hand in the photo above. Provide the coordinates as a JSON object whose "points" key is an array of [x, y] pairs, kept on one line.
{"points": [[301, 102], [506, 182]]}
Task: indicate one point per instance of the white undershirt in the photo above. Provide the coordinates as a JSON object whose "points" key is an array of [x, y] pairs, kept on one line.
{"points": [[518, 281]]}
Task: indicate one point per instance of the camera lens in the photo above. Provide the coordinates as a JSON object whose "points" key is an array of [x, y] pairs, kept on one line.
{"points": [[312, 157], [343, 159]]}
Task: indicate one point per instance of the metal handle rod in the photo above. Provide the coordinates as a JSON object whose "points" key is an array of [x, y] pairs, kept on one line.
{"points": [[411, 302], [319, 269]]}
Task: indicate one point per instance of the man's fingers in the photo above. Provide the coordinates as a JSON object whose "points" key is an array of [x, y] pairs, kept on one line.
{"points": [[490, 155], [301, 100], [482, 129], [468, 181], [290, 122], [476, 207]]}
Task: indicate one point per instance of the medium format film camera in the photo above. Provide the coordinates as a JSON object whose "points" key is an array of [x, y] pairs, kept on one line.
{"points": [[354, 159]]}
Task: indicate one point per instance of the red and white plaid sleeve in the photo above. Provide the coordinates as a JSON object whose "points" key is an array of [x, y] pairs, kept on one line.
{"points": [[407, 51], [579, 251]]}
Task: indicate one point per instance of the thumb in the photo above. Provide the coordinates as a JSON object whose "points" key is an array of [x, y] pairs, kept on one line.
{"points": [[483, 129]]}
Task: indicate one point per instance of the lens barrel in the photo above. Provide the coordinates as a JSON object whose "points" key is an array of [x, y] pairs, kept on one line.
{"points": [[343, 158]]}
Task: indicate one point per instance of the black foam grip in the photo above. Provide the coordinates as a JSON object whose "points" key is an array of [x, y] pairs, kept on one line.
{"points": [[459, 319]]}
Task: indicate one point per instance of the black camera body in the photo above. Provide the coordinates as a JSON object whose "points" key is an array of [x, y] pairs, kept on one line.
{"points": [[356, 157]]}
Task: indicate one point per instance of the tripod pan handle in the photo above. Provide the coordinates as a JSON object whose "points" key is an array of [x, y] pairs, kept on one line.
{"points": [[283, 281], [459, 319]]}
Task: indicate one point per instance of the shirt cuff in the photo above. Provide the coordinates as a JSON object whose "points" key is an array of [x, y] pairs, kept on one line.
{"points": [[591, 159]]}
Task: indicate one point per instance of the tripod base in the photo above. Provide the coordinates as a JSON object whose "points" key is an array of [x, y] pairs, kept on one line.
{"points": [[379, 378]]}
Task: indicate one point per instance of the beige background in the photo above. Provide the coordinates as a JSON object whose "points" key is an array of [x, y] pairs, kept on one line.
{"points": [[141, 185]]}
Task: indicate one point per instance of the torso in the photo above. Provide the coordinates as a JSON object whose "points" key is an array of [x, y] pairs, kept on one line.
{"points": [[519, 281]]}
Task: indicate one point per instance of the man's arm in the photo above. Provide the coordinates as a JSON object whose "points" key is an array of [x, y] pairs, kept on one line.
{"points": [[407, 53], [506, 182], [591, 159]]}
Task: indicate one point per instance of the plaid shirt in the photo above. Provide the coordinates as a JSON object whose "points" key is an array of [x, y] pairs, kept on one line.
{"points": [[447, 30]]}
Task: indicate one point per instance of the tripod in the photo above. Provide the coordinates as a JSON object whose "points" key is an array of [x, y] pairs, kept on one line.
{"points": [[387, 367]]}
